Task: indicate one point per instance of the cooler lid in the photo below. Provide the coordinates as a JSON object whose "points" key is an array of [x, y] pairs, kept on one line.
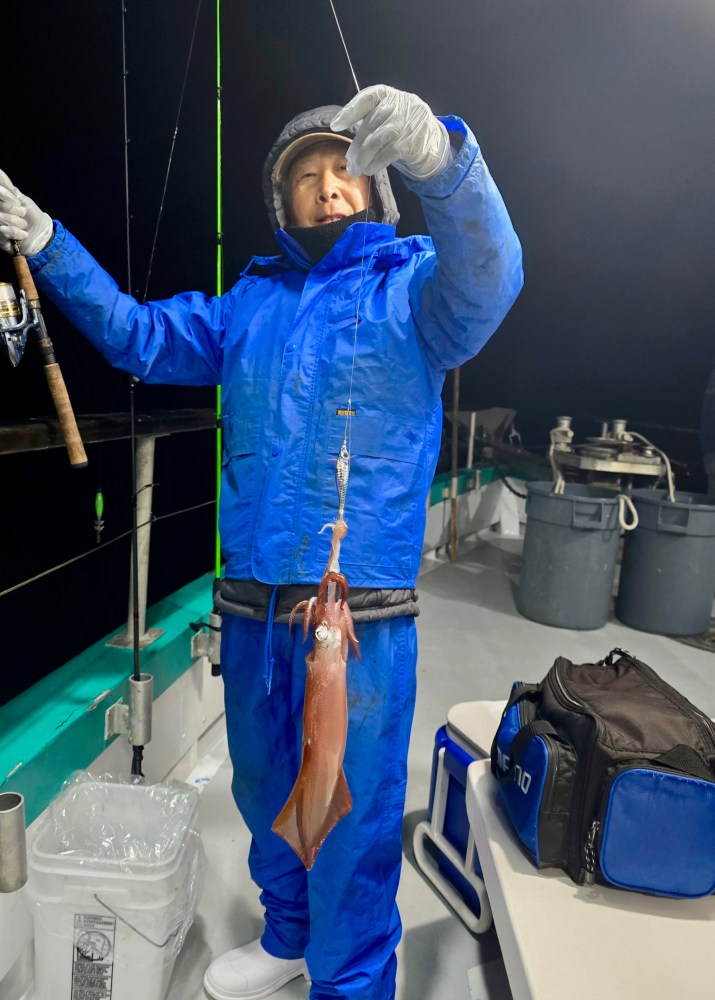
{"points": [[475, 723]]}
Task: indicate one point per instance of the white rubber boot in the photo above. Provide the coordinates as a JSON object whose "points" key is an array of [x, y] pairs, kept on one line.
{"points": [[250, 973]]}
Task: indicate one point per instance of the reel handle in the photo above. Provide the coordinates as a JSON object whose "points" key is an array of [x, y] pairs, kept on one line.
{"points": [[55, 381]]}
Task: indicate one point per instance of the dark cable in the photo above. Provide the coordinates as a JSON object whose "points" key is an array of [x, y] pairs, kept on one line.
{"points": [[503, 478]]}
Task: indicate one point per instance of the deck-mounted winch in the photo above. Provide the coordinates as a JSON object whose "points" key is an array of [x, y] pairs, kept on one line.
{"points": [[613, 458]]}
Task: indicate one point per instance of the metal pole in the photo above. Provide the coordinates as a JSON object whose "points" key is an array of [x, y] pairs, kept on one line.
{"points": [[145, 491], [472, 429], [144, 483], [455, 470], [13, 852]]}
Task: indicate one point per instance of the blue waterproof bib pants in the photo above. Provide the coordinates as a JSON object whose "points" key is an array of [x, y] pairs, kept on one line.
{"points": [[341, 915]]}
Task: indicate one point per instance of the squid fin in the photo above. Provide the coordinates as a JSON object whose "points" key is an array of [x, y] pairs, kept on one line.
{"points": [[292, 825]]}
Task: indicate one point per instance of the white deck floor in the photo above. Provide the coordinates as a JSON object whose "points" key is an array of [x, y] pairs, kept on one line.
{"points": [[473, 644]]}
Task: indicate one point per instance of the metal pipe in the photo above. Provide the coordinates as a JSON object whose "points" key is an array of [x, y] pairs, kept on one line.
{"points": [[13, 851], [141, 697], [472, 432], [144, 489], [455, 470]]}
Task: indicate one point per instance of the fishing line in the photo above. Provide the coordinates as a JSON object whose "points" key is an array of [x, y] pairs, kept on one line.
{"points": [[342, 469], [83, 555], [126, 148], [342, 39], [171, 151]]}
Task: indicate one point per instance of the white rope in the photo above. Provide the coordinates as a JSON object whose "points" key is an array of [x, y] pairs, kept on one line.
{"points": [[624, 501], [666, 461]]}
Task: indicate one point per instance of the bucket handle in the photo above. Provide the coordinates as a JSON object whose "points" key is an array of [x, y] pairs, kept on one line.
{"points": [[136, 930], [672, 527], [587, 509]]}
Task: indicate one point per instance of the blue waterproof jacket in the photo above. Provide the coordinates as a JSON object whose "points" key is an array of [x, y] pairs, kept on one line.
{"points": [[281, 345]]}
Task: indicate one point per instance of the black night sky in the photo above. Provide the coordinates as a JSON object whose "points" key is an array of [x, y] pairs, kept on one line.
{"points": [[596, 120]]}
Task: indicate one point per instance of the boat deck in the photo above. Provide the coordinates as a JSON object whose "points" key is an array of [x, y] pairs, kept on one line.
{"points": [[473, 644]]}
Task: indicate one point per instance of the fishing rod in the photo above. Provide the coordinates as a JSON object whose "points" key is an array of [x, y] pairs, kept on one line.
{"points": [[17, 321], [141, 685], [206, 640], [213, 635]]}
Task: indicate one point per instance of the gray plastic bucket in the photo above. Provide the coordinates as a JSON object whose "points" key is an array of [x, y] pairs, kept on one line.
{"points": [[668, 572], [570, 552]]}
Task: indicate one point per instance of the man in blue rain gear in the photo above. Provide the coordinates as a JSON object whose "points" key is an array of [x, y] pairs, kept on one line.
{"points": [[348, 326]]}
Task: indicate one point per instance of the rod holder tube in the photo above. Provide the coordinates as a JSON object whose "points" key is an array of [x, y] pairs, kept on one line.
{"points": [[141, 698], [145, 448], [145, 475], [13, 849]]}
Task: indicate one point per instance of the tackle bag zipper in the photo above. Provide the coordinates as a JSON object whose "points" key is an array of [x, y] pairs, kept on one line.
{"points": [[590, 853], [586, 874], [706, 725]]}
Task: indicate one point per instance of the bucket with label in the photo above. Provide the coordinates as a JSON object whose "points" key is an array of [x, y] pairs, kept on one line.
{"points": [[114, 875]]}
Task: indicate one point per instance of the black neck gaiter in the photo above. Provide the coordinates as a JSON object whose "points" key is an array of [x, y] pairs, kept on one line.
{"points": [[318, 240]]}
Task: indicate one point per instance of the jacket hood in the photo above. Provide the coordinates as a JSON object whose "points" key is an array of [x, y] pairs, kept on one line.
{"points": [[318, 120]]}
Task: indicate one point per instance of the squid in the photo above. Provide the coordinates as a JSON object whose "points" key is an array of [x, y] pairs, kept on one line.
{"points": [[320, 797]]}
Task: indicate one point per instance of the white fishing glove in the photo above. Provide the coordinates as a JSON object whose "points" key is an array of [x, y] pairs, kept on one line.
{"points": [[21, 220], [394, 128]]}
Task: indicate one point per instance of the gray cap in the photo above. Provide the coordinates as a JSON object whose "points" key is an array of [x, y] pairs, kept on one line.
{"points": [[293, 139]]}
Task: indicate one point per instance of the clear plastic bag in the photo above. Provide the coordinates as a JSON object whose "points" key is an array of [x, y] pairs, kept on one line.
{"points": [[119, 819]]}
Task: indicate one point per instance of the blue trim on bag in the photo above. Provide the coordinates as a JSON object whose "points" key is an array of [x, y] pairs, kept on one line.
{"points": [[657, 833], [522, 798]]}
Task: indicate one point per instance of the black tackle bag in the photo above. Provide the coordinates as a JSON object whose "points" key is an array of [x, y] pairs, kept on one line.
{"points": [[608, 772]]}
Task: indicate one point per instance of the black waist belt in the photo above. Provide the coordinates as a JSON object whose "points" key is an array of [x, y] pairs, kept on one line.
{"points": [[250, 599]]}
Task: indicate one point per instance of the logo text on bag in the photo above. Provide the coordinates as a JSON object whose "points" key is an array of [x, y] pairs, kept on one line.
{"points": [[522, 778]]}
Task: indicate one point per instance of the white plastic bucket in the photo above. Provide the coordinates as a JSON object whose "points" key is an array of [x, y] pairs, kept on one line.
{"points": [[106, 930]]}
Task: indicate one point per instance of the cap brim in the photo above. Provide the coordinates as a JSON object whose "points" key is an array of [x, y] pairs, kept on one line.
{"points": [[299, 145]]}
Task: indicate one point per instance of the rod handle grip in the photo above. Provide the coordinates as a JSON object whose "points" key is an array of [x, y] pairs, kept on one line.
{"points": [[65, 415], [25, 279]]}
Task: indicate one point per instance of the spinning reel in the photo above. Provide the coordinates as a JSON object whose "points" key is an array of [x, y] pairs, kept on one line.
{"points": [[19, 319]]}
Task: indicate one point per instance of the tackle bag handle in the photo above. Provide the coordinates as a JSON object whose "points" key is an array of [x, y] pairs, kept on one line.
{"points": [[519, 692], [539, 727], [687, 759]]}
